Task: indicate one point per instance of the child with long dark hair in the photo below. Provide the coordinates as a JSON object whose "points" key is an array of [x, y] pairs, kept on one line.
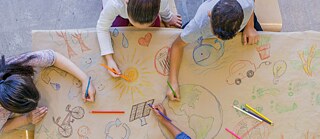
{"points": [[18, 93]]}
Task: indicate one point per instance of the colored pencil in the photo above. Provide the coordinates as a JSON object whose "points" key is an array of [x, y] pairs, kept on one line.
{"points": [[164, 116], [115, 72], [247, 113], [174, 93], [106, 112], [232, 133], [87, 90], [258, 113]]}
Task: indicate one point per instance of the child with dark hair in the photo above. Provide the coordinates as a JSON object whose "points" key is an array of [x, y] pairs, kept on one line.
{"points": [[18, 93], [175, 131], [215, 18], [140, 13]]}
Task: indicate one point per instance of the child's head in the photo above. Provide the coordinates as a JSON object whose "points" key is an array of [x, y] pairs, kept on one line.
{"points": [[226, 19], [142, 13], [17, 91]]}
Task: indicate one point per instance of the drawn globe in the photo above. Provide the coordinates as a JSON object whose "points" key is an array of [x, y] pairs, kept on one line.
{"points": [[199, 113]]}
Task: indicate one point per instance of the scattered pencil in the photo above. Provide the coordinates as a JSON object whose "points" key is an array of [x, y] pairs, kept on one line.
{"points": [[247, 113], [258, 113], [106, 112], [232, 133]]}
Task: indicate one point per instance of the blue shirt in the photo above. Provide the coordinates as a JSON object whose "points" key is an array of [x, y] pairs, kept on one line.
{"points": [[182, 135], [200, 25]]}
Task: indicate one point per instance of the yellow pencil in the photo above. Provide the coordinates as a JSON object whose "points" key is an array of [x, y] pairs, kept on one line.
{"points": [[258, 113]]}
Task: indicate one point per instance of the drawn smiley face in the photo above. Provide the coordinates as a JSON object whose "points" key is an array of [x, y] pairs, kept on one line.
{"points": [[98, 84], [86, 60], [83, 131]]}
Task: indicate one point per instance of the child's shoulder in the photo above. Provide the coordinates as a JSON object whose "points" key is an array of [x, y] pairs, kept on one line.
{"points": [[116, 3]]}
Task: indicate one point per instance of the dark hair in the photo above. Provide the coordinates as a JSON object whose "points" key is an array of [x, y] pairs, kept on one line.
{"points": [[18, 93], [226, 19], [143, 11]]}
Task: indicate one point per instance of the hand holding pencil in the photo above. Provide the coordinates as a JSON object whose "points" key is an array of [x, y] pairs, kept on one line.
{"points": [[160, 111], [173, 91], [115, 72], [88, 90]]}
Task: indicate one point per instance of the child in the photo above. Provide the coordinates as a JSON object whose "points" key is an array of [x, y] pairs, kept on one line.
{"points": [[18, 93], [140, 13], [170, 126], [220, 18]]}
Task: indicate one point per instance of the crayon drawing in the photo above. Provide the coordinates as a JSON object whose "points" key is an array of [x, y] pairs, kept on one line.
{"points": [[249, 128], [65, 128], [263, 47], [83, 132], [64, 36], [306, 63], [207, 54], [80, 41], [279, 69], [115, 32], [242, 69], [47, 76], [136, 71], [145, 41], [201, 122], [140, 111], [113, 127], [161, 61], [125, 42]]}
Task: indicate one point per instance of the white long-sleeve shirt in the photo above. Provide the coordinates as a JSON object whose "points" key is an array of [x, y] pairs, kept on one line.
{"points": [[111, 10]]}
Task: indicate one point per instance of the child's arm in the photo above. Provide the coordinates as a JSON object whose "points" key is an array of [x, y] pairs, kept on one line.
{"points": [[46, 58], [68, 66], [167, 15], [175, 131], [33, 117], [175, 61], [250, 34], [107, 16]]}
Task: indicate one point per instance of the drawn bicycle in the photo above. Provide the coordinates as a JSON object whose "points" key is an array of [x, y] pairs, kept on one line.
{"points": [[65, 128]]}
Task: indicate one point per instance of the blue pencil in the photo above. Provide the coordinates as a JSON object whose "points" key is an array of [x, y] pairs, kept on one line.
{"points": [[167, 118], [87, 95], [256, 116]]}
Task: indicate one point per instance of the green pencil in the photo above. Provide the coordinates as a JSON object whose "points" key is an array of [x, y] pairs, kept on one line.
{"points": [[174, 93]]}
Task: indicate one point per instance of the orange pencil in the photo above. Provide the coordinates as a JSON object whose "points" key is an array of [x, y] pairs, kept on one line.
{"points": [[115, 72], [106, 112]]}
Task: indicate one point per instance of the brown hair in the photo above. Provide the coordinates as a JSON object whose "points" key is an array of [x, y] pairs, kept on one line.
{"points": [[143, 11]]}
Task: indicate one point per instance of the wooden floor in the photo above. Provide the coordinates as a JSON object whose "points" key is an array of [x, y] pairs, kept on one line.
{"points": [[18, 134]]}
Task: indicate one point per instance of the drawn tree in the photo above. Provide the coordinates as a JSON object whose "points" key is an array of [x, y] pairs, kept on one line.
{"points": [[83, 46], [63, 35]]}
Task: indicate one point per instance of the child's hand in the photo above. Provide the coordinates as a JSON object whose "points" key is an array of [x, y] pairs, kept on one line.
{"points": [[160, 108], [175, 21], [175, 87], [113, 65], [37, 115], [250, 36], [91, 91]]}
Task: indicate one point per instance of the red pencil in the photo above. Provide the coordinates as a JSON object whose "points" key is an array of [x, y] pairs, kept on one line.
{"points": [[104, 111]]}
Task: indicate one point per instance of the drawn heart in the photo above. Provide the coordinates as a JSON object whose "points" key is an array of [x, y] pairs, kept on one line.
{"points": [[144, 41]]}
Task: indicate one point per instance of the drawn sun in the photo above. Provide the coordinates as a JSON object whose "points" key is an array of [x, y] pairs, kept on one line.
{"points": [[134, 67]]}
